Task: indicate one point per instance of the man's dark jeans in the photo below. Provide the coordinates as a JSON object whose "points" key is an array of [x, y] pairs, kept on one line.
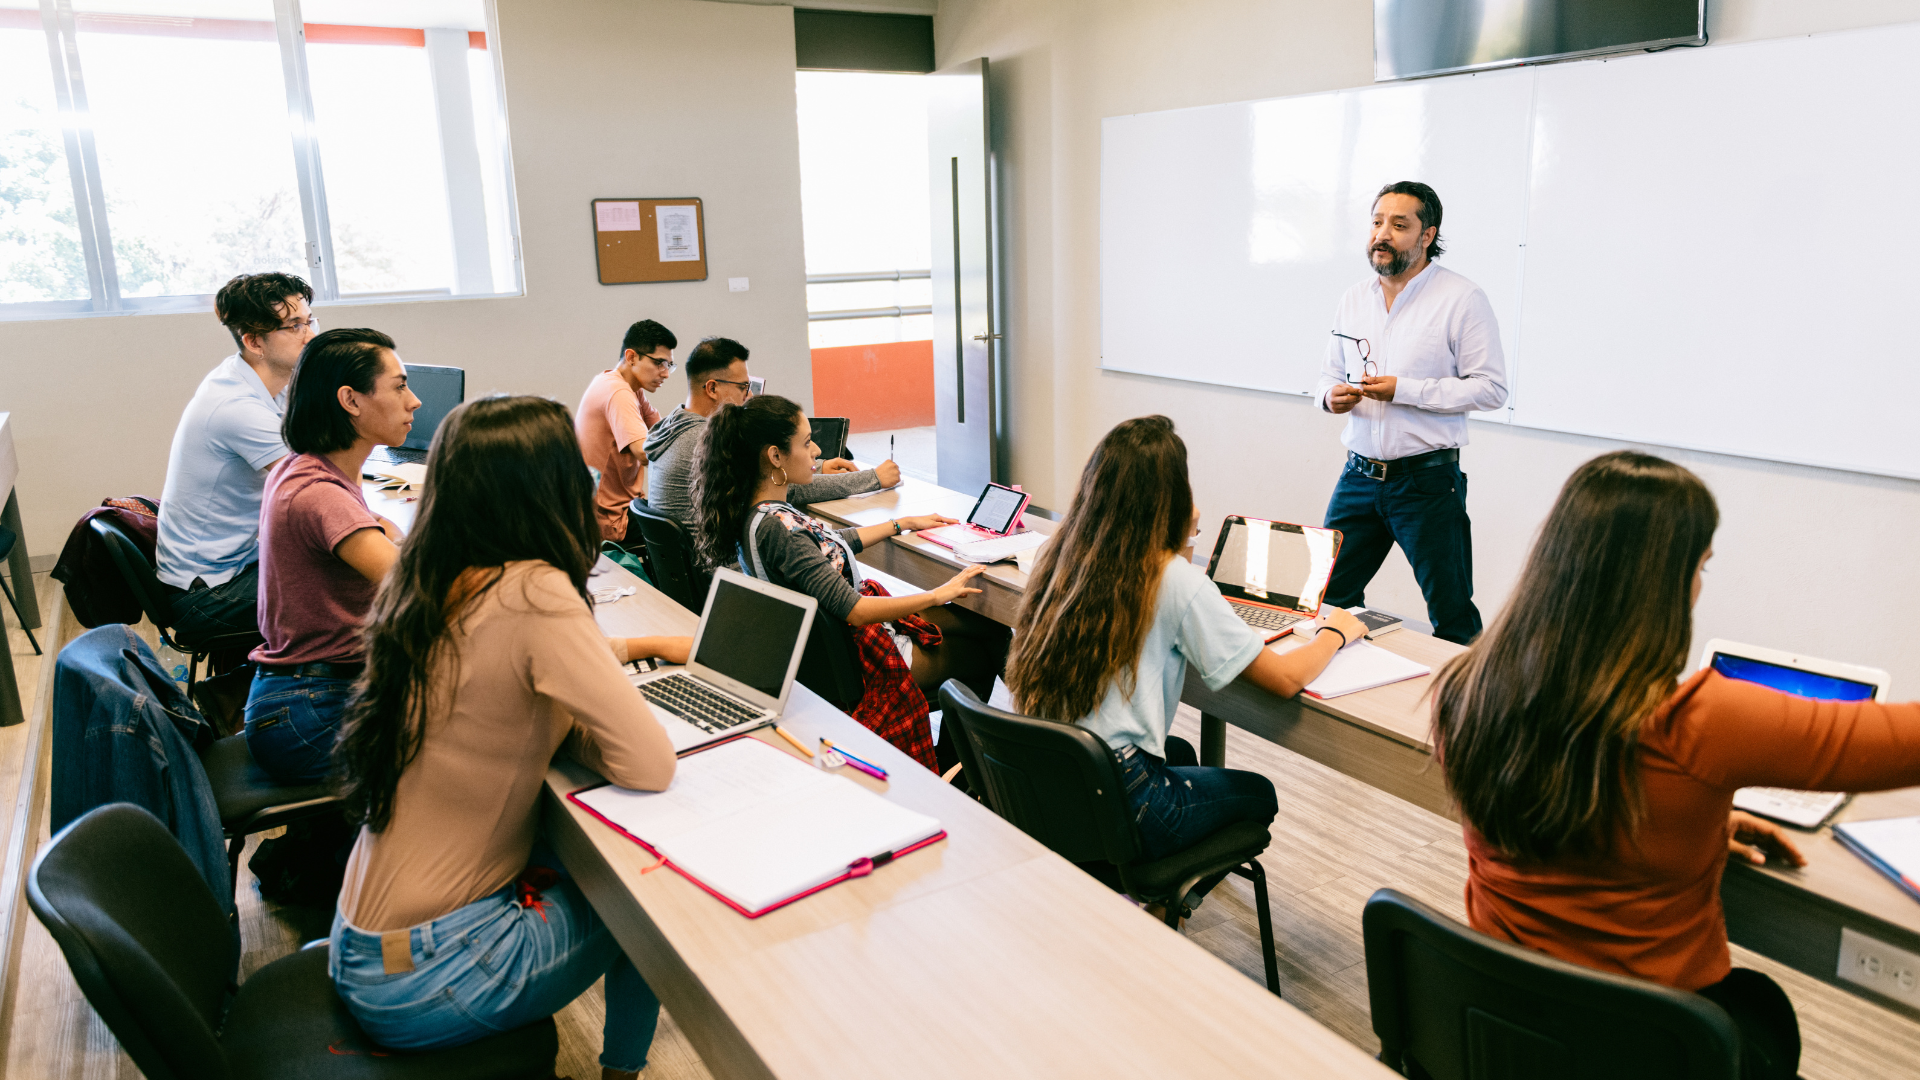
{"points": [[1425, 512], [212, 612]]}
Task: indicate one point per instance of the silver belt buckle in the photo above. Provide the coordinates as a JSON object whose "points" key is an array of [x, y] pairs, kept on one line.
{"points": [[1371, 469]]}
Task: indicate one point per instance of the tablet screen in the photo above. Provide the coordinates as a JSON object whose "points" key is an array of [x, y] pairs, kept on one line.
{"points": [[1792, 680], [997, 509]]}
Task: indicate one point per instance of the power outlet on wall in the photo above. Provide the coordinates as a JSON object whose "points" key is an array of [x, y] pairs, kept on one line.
{"points": [[1879, 966]]}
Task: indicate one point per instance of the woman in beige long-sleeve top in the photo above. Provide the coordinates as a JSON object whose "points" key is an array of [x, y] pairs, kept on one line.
{"points": [[483, 660]]}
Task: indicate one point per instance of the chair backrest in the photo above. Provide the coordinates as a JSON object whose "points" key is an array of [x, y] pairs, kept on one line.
{"points": [[829, 665], [134, 567], [1464, 1006], [145, 938], [676, 569], [1057, 783]]}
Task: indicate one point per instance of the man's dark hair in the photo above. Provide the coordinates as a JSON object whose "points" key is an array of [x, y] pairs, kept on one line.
{"points": [[1429, 209], [711, 355], [250, 303], [315, 422], [645, 336]]}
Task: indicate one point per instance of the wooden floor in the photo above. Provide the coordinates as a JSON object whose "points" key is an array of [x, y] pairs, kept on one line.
{"points": [[1336, 841]]}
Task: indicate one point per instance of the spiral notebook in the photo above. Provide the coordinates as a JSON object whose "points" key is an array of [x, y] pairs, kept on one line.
{"points": [[758, 828], [1363, 666]]}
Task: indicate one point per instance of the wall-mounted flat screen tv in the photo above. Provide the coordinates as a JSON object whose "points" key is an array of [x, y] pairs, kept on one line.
{"points": [[1412, 38]]}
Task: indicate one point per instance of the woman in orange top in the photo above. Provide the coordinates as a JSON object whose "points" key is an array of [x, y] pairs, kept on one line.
{"points": [[1596, 788]]}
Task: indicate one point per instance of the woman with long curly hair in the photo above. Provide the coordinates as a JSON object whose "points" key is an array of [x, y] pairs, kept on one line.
{"points": [[1596, 788], [749, 455], [483, 659], [1115, 611]]}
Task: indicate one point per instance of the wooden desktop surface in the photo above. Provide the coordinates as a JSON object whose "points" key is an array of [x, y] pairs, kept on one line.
{"points": [[982, 955], [1381, 737]]}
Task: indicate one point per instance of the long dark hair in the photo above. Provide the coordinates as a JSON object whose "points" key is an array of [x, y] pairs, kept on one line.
{"points": [[315, 423], [505, 482], [1538, 724], [729, 465], [1090, 599]]}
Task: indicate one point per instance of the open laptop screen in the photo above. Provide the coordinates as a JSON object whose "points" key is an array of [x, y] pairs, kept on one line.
{"points": [[1272, 562], [1792, 680], [749, 636], [439, 390]]}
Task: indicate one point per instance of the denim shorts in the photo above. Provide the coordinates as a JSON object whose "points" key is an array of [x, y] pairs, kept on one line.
{"points": [[292, 722], [495, 965]]}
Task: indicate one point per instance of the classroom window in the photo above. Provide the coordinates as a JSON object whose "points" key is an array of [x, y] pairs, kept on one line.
{"points": [[152, 149]]}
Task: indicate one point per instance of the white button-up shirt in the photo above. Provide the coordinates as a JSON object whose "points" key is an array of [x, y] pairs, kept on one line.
{"points": [[1440, 342]]}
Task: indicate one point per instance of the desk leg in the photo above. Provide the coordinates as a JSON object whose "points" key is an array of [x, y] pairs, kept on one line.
{"points": [[1213, 740], [11, 711], [19, 568]]}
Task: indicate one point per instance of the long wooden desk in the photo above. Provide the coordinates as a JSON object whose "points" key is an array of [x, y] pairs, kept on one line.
{"points": [[983, 955], [1380, 737]]}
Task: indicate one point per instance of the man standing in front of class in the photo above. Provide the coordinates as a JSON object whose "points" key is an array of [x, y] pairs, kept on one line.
{"points": [[1414, 349]]}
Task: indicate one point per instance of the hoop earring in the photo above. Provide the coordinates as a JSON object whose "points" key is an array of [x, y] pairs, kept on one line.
{"points": [[784, 482]]}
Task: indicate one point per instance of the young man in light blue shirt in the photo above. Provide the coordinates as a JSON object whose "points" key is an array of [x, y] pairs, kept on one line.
{"points": [[228, 438]]}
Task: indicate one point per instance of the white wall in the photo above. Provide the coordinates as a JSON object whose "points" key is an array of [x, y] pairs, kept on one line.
{"points": [[1807, 559], [604, 98]]}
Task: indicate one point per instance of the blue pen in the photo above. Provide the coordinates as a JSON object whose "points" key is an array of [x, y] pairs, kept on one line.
{"points": [[875, 769]]}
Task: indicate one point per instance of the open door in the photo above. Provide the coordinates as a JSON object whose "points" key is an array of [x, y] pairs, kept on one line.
{"points": [[964, 335]]}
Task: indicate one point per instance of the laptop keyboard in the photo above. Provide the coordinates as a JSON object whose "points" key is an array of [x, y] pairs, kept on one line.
{"points": [[699, 705], [1266, 618], [397, 455]]}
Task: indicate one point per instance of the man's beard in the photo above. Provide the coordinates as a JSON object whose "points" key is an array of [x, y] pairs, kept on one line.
{"points": [[1396, 265]]}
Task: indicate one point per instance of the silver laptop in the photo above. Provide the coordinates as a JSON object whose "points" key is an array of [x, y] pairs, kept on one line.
{"points": [[1273, 573], [741, 669], [1802, 676]]}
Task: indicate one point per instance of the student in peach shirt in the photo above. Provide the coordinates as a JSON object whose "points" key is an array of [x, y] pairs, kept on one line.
{"points": [[613, 419], [483, 659], [1596, 787]]}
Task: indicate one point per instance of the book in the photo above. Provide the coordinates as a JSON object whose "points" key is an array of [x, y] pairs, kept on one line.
{"points": [[1361, 666], [1376, 622], [758, 828], [1889, 845]]}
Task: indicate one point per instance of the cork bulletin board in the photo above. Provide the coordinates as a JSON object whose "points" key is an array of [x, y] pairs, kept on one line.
{"points": [[639, 240]]}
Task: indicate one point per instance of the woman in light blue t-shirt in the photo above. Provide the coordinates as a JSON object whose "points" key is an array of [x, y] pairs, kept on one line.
{"points": [[1115, 611]]}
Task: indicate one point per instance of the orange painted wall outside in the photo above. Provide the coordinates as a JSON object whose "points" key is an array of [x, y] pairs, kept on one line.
{"points": [[876, 387]]}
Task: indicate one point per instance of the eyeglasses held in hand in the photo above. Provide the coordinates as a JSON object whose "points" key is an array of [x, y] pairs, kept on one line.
{"points": [[1368, 369]]}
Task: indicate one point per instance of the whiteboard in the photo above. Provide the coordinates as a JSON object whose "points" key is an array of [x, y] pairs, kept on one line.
{"points": [[1704, 248], [1228, 232], [1717, 251]]}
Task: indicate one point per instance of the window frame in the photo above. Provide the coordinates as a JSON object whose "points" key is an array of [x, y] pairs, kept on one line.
{"points": [[89, 197]]}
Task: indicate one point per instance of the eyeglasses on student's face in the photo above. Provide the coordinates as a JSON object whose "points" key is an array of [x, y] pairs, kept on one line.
{"points": [[664, 363], [310, 323], [745, 385]]}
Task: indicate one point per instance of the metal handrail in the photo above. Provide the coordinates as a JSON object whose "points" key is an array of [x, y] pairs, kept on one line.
{"points": [[870, 313], [868, 275]]}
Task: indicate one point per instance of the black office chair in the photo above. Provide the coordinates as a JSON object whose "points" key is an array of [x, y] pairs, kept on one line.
{"points": [[251, 802], [144, 583], [6, 548], [1061, 785], [149, 948], [675, 566], [1452, 1003]]}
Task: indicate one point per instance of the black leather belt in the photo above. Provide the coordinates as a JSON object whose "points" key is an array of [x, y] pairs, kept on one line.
{"points": [[319, 669], [1379, 470]]}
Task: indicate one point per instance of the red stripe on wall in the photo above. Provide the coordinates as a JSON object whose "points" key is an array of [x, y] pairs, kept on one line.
{"points": [[232, 29], [876, 387]]}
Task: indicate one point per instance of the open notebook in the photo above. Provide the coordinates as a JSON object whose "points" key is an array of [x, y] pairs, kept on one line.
{"points": [[1889, 845], [758, 828], [1363, 666]]}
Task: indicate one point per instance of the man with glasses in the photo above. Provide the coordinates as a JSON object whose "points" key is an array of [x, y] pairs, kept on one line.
{"points": [[613, 418], [229, 437], [716, 376], [1414, 349]]}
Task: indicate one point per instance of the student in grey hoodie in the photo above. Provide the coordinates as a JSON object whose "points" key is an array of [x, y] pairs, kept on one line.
{"points": [[716, 376]]}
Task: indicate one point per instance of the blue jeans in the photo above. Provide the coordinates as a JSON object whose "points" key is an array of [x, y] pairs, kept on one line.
{"points": [[1177, 806], [1425, 512], [494, 966], [292, 722]]}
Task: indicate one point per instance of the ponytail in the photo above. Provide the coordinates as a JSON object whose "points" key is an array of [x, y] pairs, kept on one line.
{"points": [[728, 468]]}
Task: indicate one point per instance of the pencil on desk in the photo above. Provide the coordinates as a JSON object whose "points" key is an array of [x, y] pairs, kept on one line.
{"points": [[797, 744]]}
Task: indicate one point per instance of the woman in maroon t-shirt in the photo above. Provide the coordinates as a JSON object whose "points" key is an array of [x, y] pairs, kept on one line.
{"points": [[322, 551]]}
